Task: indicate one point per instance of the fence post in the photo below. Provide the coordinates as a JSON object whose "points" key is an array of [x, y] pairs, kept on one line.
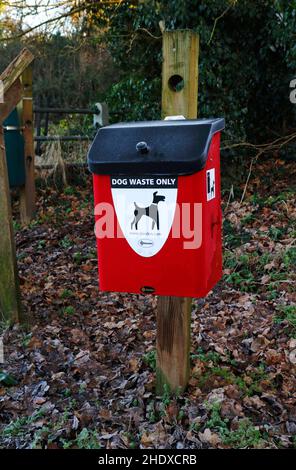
{"points": [[10, 308], [27, 192]]}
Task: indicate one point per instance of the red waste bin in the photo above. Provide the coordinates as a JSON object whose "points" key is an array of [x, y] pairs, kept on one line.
{"points": [[157, 206]]}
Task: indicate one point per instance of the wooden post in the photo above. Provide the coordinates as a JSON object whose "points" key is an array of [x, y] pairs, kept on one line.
{"points": [[10, 308], [27, 192], [179, 97], [180, 73]]}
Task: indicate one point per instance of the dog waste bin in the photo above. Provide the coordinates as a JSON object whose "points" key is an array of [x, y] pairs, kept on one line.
{"points": [[157, 206], [15, 150]]}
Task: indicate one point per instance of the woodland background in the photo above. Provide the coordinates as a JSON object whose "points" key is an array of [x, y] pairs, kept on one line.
{"points": [[111, 51]]}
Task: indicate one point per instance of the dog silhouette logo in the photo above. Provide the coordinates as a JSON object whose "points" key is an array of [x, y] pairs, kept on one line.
{"points": [[150, 211]]}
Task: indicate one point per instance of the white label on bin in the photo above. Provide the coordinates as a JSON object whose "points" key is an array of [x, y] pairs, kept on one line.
{"points": [[211, 190], [145, 209]]}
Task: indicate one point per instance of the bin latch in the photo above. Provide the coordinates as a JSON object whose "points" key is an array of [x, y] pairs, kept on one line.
{"points": [[142, 147]]}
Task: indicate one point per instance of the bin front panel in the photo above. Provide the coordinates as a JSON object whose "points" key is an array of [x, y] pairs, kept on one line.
{"points": [[188, 260]]}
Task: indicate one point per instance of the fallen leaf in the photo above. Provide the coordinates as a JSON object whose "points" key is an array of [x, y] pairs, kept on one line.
{"points": [[259, 343], [209, 437]]}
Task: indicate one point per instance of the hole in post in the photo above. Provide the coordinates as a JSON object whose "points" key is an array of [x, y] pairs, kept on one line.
{"points": [[176, 83]]}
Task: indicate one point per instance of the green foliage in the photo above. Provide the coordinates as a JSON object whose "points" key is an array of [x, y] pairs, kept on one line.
{"points": [[247, 59], [245, 272], [248, 383], [246, 435], [26, 340], [150, 359], [167, 395], [241, 275], [210, 356], [18, 426], [215, 422], [66, 242], [68, 310], [233, 236], [16, 226], [130, 99], [287, 314], [151, 412], [275, 233], [66, 294], [289, 258], [87, 440], [15, 428]]}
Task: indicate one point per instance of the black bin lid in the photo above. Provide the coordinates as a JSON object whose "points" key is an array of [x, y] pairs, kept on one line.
{"points": [[177, 147]]}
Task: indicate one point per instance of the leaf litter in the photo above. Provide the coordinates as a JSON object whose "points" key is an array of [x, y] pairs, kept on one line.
{"points": [[82, 374]]}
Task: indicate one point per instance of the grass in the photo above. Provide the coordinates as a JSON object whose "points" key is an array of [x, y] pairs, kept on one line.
{"points": [[151, 413], [215, 422]]}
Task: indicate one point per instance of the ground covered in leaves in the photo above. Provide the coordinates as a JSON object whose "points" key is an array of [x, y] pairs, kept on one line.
{"points": [[82, 374]]}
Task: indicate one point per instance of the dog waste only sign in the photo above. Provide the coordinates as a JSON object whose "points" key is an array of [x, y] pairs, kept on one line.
{"points": [[145, 209]]}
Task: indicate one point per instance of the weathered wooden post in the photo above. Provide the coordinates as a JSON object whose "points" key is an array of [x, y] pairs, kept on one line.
{"points": [[9, 287], [179, 97], [27, 192]]}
